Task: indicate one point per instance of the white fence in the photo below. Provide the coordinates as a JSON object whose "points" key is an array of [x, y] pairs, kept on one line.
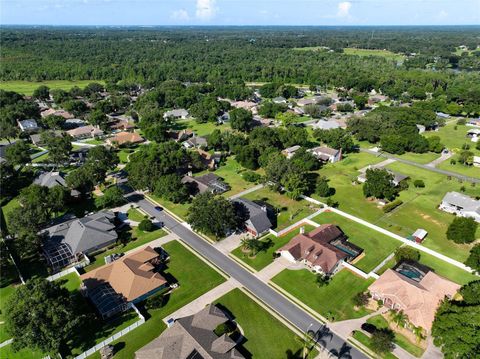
{"points": [[306, 220], [63, 274], [115, 336]]}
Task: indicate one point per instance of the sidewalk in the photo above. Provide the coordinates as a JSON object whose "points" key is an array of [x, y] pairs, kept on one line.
{"points": [[156, 242], [200, 303], [276, 267]]}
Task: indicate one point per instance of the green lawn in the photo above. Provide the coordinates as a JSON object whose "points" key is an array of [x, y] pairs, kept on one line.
{"points": [[365, 340], [7, 352], [93, 141], [195, 278], [369, 52], [422, 158], [231, 172], [470, 171], [27, 87], [135, 215], [5, 293], [123, 155], [201, 129], [138, 238], [265, 257], [334, 300], [71, 282], [41, 158], [453, 138], [260, 328], [376, 246], [402, 341], [290, 211]]}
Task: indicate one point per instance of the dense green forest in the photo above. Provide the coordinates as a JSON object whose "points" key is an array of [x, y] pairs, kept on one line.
{"points": [[202, 54]]}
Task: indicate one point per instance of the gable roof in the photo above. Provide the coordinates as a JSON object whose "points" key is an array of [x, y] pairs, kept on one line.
{"points": [[130, 276], [257, 215], [84, 234], [315, 248], [85, 130], [126, 137], [418, 300], [208, 182], [193, 337], [50, 179], [460, 200]]}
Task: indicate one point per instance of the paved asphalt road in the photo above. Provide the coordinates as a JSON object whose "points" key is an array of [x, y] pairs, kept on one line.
{"points": [[428, 168], [265, 293]]}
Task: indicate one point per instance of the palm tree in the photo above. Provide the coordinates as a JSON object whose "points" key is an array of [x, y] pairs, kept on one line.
{"points": [[418, 332], [398, 317], [308, 342], [252, 245]]}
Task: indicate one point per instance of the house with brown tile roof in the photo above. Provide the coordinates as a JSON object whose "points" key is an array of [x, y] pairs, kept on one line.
{"points": [[321, 250], [418, 299], [124, 138], [193, 337], [129, 279], [88, 131]]}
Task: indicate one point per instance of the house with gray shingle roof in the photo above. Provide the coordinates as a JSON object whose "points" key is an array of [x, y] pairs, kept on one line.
{"points": [[258, 222], [52, 179], [461, 205], [65, 243], [177, 113], [193, 337]]}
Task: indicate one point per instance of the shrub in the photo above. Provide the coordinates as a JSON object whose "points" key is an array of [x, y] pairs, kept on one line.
{"points": [[391, 206], [462, 230], [461, 122], [407, 254], [156, 301], [382, 341], [251, 176], [224, 328], [146, 225], [453, 161], [361, 299], [419, 184]]}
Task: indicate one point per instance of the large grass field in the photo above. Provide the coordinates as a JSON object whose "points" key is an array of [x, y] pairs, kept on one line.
{"points": [[139, 238], [334, 301], [369, 52], [265, 257], [27, 87], [266, 337], [376, 246], [420, 204], [454, 136], [231, 172], [194, 277], [402, 341], [289, 210], [201, 129], [422, 158]]}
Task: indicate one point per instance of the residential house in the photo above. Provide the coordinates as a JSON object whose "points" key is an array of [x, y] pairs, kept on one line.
{"points": [[121, 123], [421, 128], [305, 102], [28, 126], [179, 113], [257, 222], [36, 138], [129, 279], [246, 105], [474, 134], [326, 125], [74, 123], [211, 161], [443, 115], [298, 111], [290, 151], [208, 182], [52, 179], [476, 161], [83, 132], [125, 138], [79, 156], [474, 122], [67, 242], [279, 99], [193, 337], [461, 205], [196, 142], [65, 114], [397, 177], [321, 250], [3, 151], [326, 154], [414, 290], [180, 136]]}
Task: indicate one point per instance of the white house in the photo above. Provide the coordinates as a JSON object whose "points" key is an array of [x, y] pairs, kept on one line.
{"points": [[474, 134], [326, 154], [290, 151], [461, 205], [177, 113], [476, 161]]}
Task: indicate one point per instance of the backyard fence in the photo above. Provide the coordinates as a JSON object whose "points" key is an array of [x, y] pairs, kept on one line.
{"points": [[115, 336], [306, 220], [63, 274]]}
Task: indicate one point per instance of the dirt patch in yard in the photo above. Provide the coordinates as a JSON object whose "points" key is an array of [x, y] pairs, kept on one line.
{"points": [[428, 218]]}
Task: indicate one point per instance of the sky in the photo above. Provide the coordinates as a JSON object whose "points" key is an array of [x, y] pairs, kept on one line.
{"points": [[240, 12]]}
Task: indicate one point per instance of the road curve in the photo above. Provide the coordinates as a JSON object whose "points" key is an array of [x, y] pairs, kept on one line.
{"points": [[277, 302], [425, 167]]}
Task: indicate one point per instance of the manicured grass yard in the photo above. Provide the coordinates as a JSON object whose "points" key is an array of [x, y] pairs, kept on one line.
{"points": [[290, 211], [402, 341], [266, 337], [195, 278], [179, 209], [138, 238], [71, 282], [453, 138], [231, 172], [201, 129], [376, 246], [123, 155], [27, 87], [470, 171], [8, 353], [365, 340], [420, 157], [264, 258], [135, 215], [334, 300]]}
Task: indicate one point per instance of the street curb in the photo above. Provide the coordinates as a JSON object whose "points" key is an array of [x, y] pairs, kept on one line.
{"points": [[361, 347], [239, 261]]}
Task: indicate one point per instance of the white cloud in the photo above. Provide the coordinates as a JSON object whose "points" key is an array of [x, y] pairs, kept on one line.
{"points": [[181, 15], [206, 9], [442, 15], [344, 9]]}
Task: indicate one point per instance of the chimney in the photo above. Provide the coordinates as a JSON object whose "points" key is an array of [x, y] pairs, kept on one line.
{"points": [[302, 229], [189, 173]]}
